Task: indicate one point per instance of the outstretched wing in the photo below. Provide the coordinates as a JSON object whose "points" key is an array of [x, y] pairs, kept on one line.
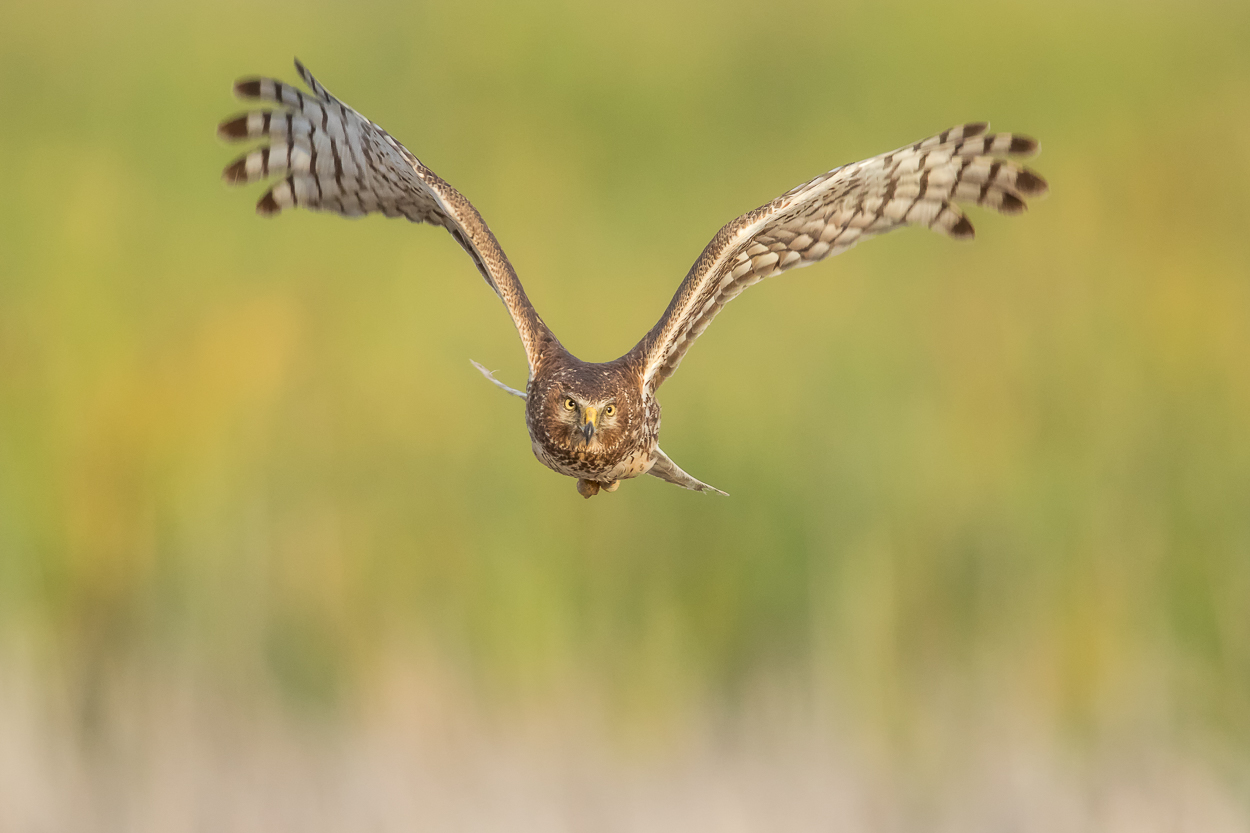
{"points": [[921, 184], [332, 158]]}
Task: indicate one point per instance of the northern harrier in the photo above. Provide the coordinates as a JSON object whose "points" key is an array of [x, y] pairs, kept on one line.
{"points": [[600, 422]]}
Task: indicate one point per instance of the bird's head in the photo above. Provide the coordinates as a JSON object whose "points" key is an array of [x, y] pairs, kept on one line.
{"points": [[590, 420], [588, 408]]}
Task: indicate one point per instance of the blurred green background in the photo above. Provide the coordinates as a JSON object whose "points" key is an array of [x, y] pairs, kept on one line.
{"points": [[1007, 478]]}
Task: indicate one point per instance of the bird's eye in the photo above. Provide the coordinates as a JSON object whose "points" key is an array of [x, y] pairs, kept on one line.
{"points": [[569, 404], [609, 411]]}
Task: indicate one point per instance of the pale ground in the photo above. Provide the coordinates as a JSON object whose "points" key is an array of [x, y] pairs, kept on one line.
{"points": [[168, 754]]}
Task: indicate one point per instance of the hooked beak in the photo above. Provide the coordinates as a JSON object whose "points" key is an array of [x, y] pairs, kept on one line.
{"points": [[590, 420]]}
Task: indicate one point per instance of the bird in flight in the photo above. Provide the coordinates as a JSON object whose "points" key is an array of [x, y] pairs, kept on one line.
{"points": [[600, 422]]}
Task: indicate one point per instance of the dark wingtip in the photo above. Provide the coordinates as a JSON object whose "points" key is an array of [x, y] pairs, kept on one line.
{"points": [[1029, 183], [236, 171], [963, 230], [1023, 146], [268, 206], [235, 128], [975, 128], [316, 88], [1012, 204], [247, 88]]}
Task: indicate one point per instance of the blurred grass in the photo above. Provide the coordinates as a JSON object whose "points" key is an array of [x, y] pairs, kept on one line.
{"points": [[1017, 470]]}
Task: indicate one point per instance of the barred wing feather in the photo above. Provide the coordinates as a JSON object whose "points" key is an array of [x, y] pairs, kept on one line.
{"points": [[331, 158], [922, 184]]}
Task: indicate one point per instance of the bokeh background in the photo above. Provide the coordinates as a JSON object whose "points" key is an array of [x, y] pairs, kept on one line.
{"points": [[273, 556]]}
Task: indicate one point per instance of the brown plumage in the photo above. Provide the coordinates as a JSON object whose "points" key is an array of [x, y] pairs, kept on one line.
{"points": [[600, 423]]}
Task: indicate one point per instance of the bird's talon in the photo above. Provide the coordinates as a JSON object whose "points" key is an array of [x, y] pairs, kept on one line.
{"points": [[611, 487]]}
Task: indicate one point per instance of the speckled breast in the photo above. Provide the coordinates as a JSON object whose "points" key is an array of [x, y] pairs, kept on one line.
{"points": [[594, 466], [599, 464]]}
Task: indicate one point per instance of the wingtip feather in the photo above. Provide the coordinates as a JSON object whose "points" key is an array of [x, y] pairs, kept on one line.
{"points": [[1011, 204], [975, 128], [247, 87], [963, 230], [233, 129], [1023, 145], [1031, 184], [268, 206], [236, 171]]}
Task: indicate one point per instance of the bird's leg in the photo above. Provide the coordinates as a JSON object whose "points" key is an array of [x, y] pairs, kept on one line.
{"points": [[491, 376], [587, 488], [610, 487]]}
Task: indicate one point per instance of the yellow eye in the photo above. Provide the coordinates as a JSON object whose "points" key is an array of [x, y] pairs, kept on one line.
{"points": [[569, 404], [609, 411]]}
